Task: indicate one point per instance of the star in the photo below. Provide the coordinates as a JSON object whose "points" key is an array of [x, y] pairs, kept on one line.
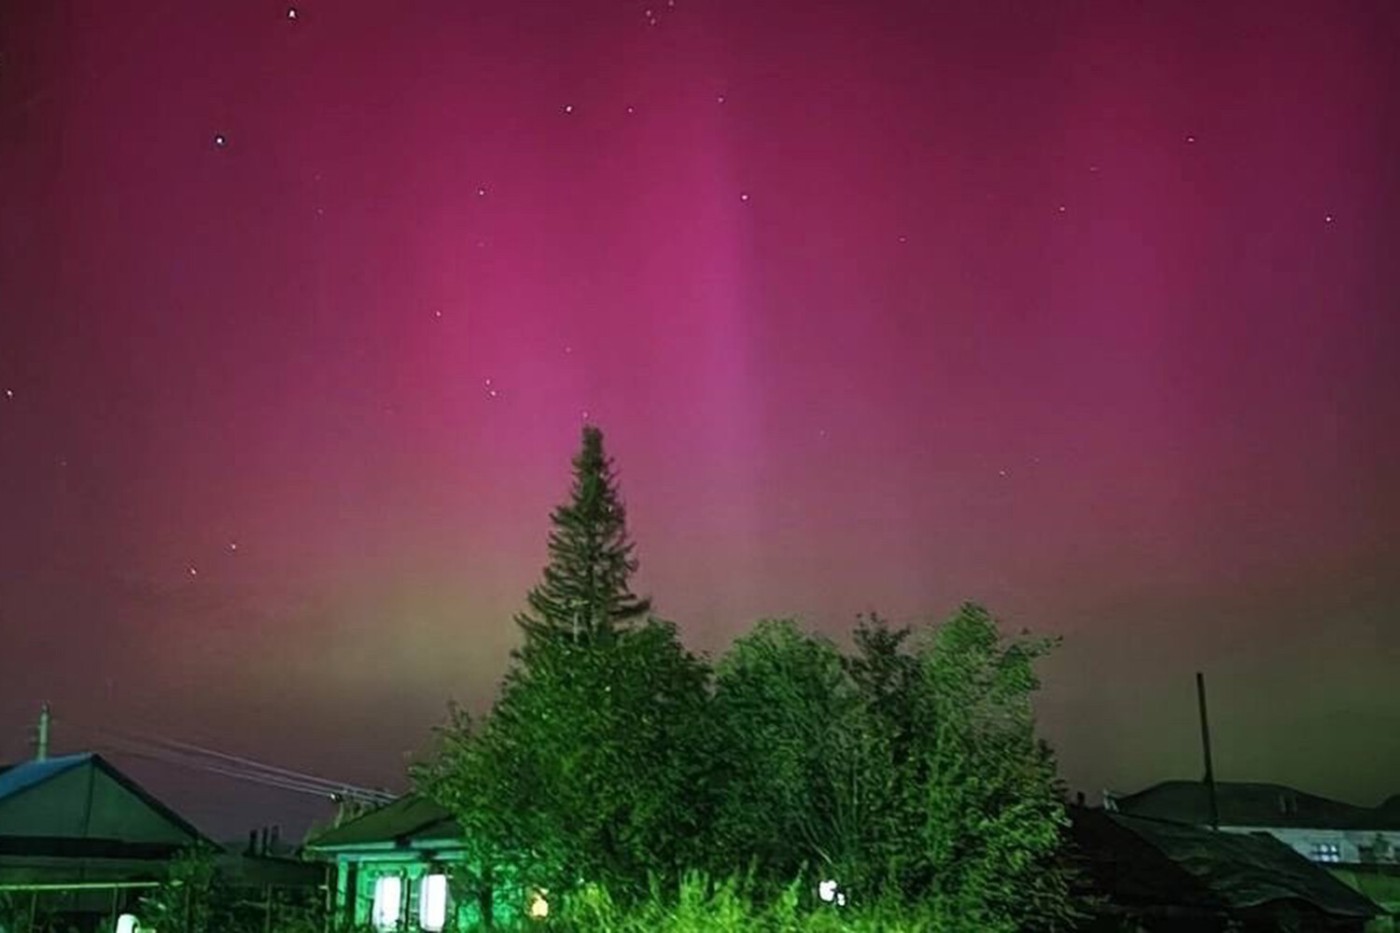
{"points": [[9, 393], [568, 108], [220, 140], [437, 314], [631, 109], [1190, 139], [193, 570], [233, 545], [904, 239], [1328, 219], [481, 191], [743, 196], [719, 99], [291, 12]]}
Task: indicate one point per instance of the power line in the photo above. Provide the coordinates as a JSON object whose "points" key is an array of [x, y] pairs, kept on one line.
{"points": [[195, 757]]}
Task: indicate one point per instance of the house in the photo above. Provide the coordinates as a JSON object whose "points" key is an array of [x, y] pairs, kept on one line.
{"points": [[1360, 845], [78, 837], [1165, 877], [406, 866], [81, 840]]}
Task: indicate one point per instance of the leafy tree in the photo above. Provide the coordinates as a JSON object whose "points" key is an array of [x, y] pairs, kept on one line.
{"points": [[802, 770], [992, 807], [585, 593], [909, 773]]}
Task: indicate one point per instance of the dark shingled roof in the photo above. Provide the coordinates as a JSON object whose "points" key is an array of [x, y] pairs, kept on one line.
{"points": [[1156, 863], [407, 819], [1248, 804]]}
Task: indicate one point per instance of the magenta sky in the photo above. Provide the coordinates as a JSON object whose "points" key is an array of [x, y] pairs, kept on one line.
{"points": [[1088, 311]]}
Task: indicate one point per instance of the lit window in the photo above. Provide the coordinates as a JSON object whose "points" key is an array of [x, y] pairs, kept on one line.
{"points": [[432, 902], [388, 897], [126, 923], [1326, 852]]}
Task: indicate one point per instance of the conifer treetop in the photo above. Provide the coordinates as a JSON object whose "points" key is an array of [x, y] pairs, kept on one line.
{"points": [[585, 594]]}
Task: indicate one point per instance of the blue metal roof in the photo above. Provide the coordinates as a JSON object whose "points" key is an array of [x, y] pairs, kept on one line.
{"points": [[25, 775]]}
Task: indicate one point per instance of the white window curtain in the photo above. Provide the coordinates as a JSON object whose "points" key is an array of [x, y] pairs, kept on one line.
{"points": [[388, 900]]}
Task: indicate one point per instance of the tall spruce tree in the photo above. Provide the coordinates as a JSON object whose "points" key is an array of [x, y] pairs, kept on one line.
{"points": [[585, 595]]}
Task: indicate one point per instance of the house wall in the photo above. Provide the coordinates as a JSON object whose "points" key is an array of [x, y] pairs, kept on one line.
{"points": [[356, 879]]}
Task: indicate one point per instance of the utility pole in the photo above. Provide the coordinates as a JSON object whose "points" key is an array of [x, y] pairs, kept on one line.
{"points": [[41, 741], [1205, 747]]}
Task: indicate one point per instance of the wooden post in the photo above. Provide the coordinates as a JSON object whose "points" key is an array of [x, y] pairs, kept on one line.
{"points": [[267, 908]]}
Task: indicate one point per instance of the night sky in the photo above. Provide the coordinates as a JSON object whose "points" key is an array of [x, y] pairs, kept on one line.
{"points": [[1087, 311]]}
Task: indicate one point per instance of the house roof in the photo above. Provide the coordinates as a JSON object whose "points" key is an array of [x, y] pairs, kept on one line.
{"points": [[1158, 863], [1251, 804], [409, 819], [15, 779], [19, 778]]}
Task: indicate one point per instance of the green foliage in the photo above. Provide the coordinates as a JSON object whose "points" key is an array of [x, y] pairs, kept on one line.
{"points": [[194, 899], [614, 763], [799, 766], [993, 809], [186, 901], [909, 776], [585, 594], [591, 764], [699, 904]]}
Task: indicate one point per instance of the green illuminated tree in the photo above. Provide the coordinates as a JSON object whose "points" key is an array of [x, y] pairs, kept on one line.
{"points": [[591, 764], [907, 771], [791, 755], [585, 593]]}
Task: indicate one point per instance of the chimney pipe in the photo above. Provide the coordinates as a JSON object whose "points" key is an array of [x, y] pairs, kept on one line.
{"points": [[41, 744], [1205, 747]]}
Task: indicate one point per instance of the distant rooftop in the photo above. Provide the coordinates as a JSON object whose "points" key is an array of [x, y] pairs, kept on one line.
{"points": [[1154, 861], [407, 820], [1253, 804]]}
